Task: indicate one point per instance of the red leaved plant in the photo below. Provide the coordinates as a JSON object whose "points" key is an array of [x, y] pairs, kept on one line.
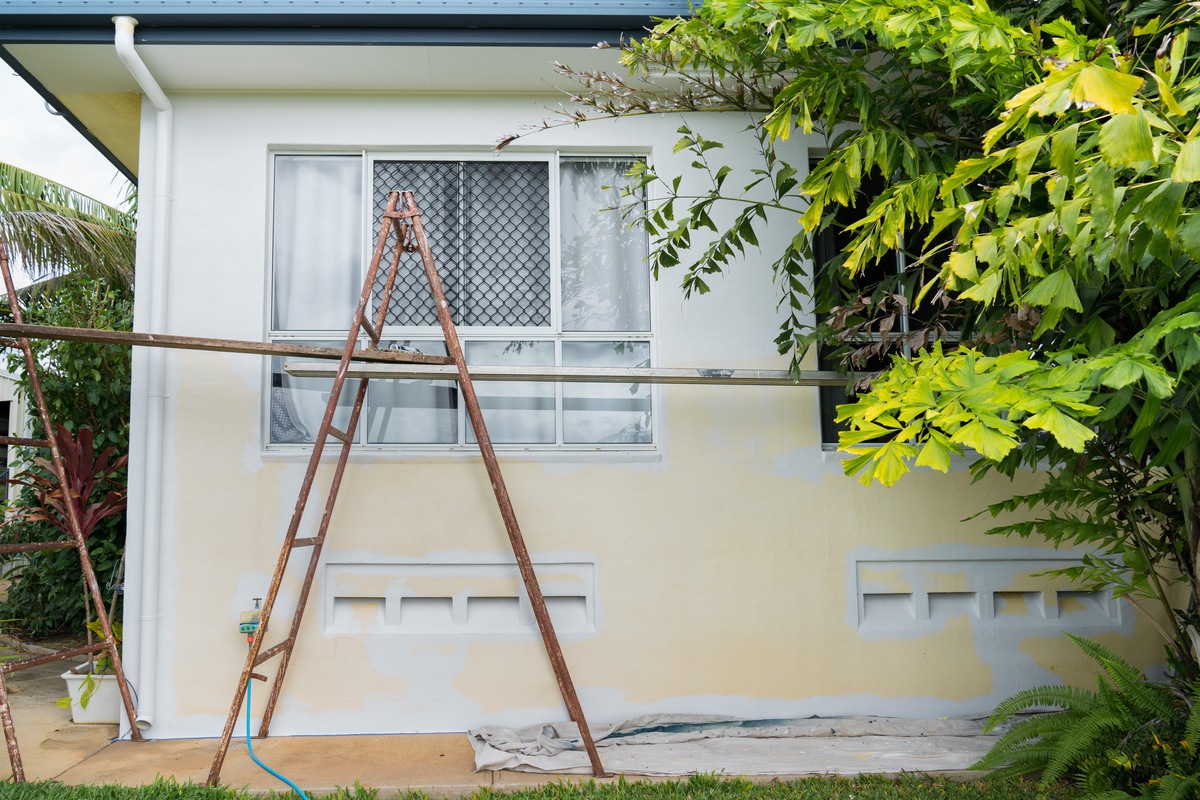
{"points": [[87, 474]]}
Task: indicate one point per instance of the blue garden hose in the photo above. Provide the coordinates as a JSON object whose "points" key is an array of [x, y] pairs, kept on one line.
{"points": [[250, 747]]}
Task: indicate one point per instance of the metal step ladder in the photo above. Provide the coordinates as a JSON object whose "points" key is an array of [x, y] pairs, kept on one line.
{"points": [[76, 541], [403, 220]]}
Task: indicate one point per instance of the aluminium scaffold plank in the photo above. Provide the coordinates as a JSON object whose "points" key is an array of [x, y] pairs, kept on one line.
{"points": [[669, 375]]}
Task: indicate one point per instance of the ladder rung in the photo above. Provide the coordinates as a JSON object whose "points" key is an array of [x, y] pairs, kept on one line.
{"points": [[370, 329], [306, 542], [271, 652], [17, 440], [399, 214], [340, 435], [29, 547], [37, 661]]}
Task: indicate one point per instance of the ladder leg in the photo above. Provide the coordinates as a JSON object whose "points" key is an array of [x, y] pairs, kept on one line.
{"points": [[10, 733], [335, 486], [306, 485], [302, 600], [71, 512], [114, 655], [520, 551]]}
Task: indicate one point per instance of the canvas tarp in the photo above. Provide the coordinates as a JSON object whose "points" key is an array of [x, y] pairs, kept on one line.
{"points": [[683, 744]]}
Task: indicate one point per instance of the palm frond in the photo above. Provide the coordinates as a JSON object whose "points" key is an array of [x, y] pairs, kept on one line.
{"points": [[1063, 697], [1192, 727], [1131, 686], [54, 230], [1178, 787], [1082, 739]]}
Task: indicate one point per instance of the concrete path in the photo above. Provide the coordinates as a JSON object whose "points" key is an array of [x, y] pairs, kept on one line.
{"points": [[441, 765], [50, 743]]}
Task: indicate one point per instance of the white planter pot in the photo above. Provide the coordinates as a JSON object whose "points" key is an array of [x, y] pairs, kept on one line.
{"points": [[104, 705]]}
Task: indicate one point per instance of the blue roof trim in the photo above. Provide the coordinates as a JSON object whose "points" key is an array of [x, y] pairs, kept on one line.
{"points": [[74, 121], [478, 37], [330, 8]]}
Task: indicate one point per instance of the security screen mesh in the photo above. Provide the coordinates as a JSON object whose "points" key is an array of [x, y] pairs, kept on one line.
{"points": [[488, 225]]}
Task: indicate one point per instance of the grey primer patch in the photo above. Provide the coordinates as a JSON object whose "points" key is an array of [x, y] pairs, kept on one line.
{"points": [[454, 599], [899, 595], [716, 373]]}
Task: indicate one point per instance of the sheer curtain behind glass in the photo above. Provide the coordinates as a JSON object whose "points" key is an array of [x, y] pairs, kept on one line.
{"points": [[605, 280], [317, 242]]}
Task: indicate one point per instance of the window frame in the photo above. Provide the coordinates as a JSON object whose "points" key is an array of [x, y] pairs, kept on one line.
{"points": [[467, 333], [830, 397]]}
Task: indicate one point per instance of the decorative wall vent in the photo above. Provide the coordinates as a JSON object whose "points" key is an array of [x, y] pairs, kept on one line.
{"points": [[452, 598], [914, 593]]}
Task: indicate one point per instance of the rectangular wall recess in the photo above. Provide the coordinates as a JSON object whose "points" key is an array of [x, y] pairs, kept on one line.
{"points": [[923, 593], [450, 598]]}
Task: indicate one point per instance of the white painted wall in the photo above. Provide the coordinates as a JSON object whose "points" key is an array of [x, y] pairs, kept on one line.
{"points": [[734, 571]]}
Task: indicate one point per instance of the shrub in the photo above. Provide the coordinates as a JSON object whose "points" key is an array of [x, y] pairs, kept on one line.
{"points": [[1129, 738], [86, 386]]}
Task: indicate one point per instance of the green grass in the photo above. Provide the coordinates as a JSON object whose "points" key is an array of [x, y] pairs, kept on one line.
{"points": [[870, 787]]}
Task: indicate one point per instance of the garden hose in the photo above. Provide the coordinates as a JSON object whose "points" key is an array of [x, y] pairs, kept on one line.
{"points": [[250, 747]]}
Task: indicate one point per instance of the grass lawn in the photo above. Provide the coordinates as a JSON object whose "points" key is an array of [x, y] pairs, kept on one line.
{"points": [[871, 787]]}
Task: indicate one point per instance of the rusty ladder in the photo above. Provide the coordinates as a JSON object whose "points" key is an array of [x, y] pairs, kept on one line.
{"points": [[409, 238], [76, 541]]}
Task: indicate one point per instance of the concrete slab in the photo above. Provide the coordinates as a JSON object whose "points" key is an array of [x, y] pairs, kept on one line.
{"points": [[50, 743], [442, 765]]}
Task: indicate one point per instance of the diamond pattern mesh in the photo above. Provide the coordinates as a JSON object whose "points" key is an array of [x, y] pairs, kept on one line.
{"points": [[488, 225]]}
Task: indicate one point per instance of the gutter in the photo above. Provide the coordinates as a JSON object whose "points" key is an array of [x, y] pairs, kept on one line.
{"points": [[150, 615]]}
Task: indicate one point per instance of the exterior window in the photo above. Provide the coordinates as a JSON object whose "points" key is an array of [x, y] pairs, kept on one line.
{"points": [[534, 269], [827, 248]]}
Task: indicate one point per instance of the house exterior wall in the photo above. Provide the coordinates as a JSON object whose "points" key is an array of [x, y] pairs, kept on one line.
{"points": [[731, 570]]}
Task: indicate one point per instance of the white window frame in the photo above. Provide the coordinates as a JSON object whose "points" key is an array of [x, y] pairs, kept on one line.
{"points": [[467, 333]]}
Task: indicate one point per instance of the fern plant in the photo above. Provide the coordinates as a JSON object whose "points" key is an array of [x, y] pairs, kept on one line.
{"points": [[1129, 738]]}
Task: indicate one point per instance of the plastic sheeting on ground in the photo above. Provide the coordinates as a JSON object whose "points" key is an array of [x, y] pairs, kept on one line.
{"points": [[684, 744]]}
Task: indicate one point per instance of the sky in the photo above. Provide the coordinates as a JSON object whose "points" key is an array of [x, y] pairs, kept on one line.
{"points": [[34, 139]]}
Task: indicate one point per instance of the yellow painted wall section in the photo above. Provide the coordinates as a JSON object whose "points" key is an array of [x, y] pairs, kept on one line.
{"points": [[715, 576]]}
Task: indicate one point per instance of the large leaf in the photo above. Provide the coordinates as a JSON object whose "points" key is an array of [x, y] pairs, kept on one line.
{"points": [[1110, 90], [1125, 139], [1187, 164]]}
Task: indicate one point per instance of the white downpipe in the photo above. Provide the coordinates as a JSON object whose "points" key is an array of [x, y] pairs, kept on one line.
{"points": [[151, 615]]}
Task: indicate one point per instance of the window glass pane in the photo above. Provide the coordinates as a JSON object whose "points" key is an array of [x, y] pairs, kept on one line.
{"points": [[407, 411], [488, 226], [605, 278], [317, 248], [606, 413], [516, 412], [298, 404]]}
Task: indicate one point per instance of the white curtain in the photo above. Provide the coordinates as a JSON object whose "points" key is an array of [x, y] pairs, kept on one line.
{"points": [[413, 411], [516, 412], [605, 278], [318, 233], [606, 413]]}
